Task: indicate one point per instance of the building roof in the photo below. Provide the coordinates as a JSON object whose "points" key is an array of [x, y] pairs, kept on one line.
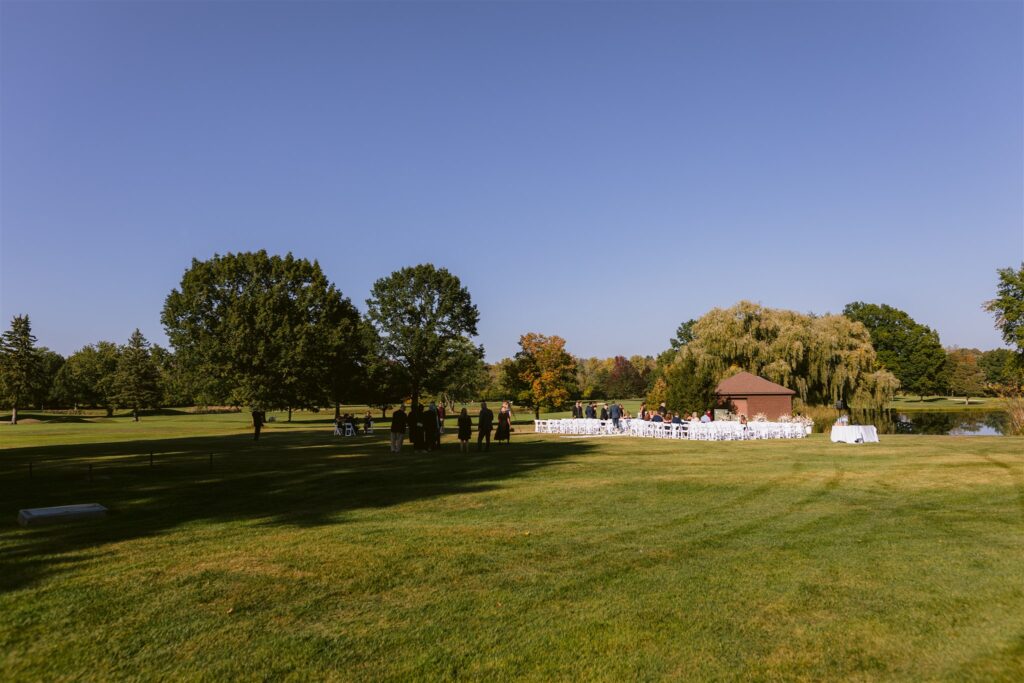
{"points": [[747, 384]]}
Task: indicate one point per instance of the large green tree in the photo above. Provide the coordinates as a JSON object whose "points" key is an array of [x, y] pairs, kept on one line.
{"points": [[908, 349], [258, 330], [1008, 308], [1002, 371], [85, 378], [45, 394], [683, 336], [136, 382], [466, 376], [690, 385], [423, 318], [20, 365]]}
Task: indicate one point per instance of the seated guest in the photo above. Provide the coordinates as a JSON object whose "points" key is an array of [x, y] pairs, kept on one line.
{"points": [[657, 418], [676, 420], [706, 417]]}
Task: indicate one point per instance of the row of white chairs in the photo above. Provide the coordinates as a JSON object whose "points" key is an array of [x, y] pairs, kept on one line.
{"points": [[698, 431]]}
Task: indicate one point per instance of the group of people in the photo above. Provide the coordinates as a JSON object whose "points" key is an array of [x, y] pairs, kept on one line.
{"points": [[425, 425], [662, 414], [615, 412], [349, 420]]}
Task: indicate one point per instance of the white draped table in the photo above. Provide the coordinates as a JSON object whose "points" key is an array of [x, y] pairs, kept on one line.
{"points": [[855, 434]]}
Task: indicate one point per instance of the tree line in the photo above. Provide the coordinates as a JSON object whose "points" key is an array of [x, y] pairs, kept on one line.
{"points": [[271, 332]]}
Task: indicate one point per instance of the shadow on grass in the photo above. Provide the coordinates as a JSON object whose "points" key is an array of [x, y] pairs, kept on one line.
{"points": [[301, 478]]}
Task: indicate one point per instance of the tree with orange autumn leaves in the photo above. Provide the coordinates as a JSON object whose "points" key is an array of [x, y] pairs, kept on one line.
{"points": [[542, 374]]}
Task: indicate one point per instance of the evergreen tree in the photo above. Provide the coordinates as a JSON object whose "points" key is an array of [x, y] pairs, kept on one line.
{"points": [[136, 383], [20, 365]]}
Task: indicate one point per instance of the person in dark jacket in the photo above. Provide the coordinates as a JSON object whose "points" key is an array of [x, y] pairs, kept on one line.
{"points": [[604, 411], [465, 430], [399, 421], [615, 412], [590, 412], [431, 438], [258, 418], [504, 431], [484, 425], [416, 428]]}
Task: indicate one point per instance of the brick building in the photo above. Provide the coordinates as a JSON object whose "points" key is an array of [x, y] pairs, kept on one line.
{"points": [[749, 395]]}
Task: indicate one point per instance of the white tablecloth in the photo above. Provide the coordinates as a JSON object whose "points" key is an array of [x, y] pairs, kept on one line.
{"points": [[855, 433]]}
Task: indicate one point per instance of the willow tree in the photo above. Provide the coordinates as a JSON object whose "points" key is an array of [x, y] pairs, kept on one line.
{"points": [[823, 358]]}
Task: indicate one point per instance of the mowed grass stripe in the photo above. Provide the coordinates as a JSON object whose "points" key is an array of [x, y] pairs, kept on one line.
{"points": [[312, 556]]}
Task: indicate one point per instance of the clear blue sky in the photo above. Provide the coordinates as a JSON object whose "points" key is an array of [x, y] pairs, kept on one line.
{"points": [[597, 171]]}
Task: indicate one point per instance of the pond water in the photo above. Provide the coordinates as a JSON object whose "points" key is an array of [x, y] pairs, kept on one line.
{"points": [[956, 423]]}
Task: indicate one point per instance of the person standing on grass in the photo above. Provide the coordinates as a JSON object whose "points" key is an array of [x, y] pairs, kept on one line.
{"points": [[465, 430], [431, 438], [604, 411], [416, 427], [398, 424], [484, 425], [258, 418], [504, 431], [615, 412]]}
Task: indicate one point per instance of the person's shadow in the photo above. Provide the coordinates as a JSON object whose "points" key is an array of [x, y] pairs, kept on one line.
{"points": [[287, 478]]}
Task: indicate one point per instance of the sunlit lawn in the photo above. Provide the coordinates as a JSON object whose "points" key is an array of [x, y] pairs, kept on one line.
{"points": [[308, 556], [911, 403]]}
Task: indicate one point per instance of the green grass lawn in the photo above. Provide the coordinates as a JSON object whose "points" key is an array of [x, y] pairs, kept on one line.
{"points": [[308, 557], [912, 403]]}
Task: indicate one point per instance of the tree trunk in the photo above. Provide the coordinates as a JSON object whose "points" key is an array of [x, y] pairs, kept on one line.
{"points": [[967, 400], [135, 414], [289, 414], [337, 411], [14, 415], [110, 411], [383, 412], [536, 412]]}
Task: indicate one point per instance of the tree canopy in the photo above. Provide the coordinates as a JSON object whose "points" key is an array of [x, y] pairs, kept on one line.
{"points": [[20, 365], [258, 330], [543, 372], [423, 318], [1008, 307], [908, 349], [966, 376], [823, 358], [136, 382]]}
